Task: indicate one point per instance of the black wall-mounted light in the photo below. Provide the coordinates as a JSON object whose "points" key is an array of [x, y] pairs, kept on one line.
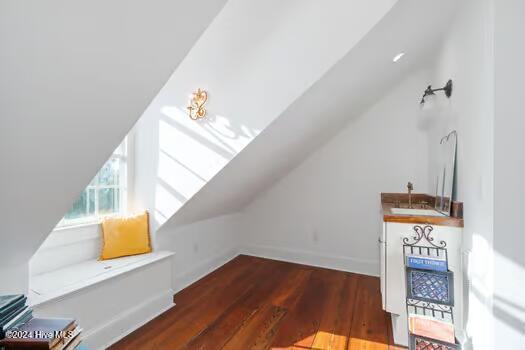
{"points": [[429, 91]]}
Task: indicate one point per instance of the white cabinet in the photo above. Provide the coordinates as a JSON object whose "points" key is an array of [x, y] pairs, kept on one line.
{"points": [[393, 287]]}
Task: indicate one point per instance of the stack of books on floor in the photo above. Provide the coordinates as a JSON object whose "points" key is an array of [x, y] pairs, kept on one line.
{"points": [[13, 312], [20, 330]]}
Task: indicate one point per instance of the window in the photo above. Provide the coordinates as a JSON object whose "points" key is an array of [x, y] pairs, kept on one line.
{"points": [[106, 194]]}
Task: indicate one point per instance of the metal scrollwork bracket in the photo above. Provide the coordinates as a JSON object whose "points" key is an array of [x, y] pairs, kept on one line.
{"points": [[423, 232]]}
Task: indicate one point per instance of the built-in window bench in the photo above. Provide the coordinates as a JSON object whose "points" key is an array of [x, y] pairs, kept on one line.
{"points": [[110, 298], [61, 282]]}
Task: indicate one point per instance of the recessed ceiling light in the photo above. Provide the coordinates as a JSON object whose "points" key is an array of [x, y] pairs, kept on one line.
{"points": [[398, 56]]}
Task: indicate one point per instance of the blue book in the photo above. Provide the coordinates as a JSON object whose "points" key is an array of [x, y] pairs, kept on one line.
{"points": [[426, 263]]}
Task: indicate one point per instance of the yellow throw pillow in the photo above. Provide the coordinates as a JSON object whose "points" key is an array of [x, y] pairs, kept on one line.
{"points": [[123, 236]]}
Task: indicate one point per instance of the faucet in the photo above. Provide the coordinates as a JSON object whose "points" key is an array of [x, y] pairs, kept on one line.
{"points": [[410, 187]]}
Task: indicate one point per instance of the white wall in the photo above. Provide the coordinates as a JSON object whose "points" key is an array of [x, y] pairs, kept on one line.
{"points": [[466, 57], [75, 75], [509, 163], [255, 59], [200, 247], [327, 211], [17, 277]]}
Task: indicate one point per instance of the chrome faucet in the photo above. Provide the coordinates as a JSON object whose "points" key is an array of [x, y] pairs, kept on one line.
{"points": [[410, 187]]}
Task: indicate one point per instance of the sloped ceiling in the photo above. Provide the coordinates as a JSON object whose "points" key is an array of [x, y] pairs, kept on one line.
{"points": [[255, 59], [348, 89], [75, 77]]}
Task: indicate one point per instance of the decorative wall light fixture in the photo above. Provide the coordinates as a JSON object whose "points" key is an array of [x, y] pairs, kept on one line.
{"points": [[196, 108], [430, 92]]}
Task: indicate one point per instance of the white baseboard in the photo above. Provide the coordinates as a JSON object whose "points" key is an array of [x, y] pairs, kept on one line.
{"points": [[362, 266], [128, 321], [186, 278]]}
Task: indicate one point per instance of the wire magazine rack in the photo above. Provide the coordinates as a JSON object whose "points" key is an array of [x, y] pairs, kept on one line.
{"points": [[429, 285]]}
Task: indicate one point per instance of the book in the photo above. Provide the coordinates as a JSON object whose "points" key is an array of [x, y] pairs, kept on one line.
{"points": [[22, 314], [19, 322], [73, 344], [427, 263], [432, 286], [41, 333], [70, 343], [430, 327], [14, 309], [7, 300], [11, 308]]}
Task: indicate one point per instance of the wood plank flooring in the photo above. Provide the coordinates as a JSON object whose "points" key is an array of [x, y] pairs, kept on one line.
{"points": [[255, 303]]}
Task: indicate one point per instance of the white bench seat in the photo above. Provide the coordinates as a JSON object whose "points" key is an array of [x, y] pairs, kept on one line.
{"points": [[58, 283]]}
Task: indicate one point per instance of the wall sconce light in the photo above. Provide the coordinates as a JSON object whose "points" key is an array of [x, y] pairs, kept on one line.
{"points": [[430, 92], [196, 108]]}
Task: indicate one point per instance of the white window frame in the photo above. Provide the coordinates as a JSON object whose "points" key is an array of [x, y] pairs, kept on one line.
{"points": [[126, 177]]}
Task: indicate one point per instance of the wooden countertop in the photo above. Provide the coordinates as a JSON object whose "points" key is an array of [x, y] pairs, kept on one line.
{"points": [[419, 201]]}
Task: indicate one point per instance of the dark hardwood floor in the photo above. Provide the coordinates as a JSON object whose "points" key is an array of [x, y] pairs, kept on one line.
{"points": [[255, 303]]}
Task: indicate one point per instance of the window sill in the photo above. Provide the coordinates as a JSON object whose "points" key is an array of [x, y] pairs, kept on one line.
{"points": [[75, 233], [60, 283], [89, 221], [77, 225]]}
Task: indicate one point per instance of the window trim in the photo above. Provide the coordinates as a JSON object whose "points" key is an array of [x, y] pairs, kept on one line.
{"points": [[82, 222]]}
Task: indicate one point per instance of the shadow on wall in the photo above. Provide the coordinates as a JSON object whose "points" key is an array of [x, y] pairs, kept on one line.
{"points": [[495, 291], [509, 298], [190, 153], [510, 313]]}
